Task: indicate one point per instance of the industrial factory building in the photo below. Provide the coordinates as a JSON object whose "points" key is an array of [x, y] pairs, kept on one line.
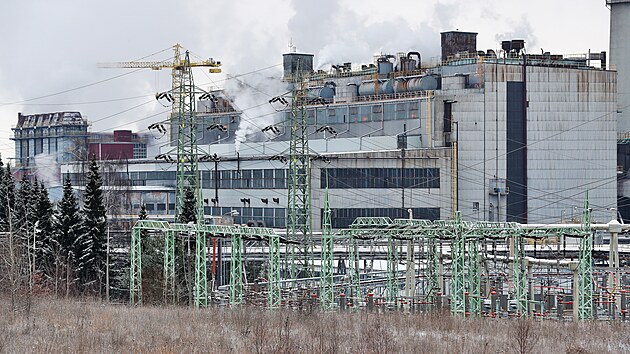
{"points": [[47, 140], [500, 136]]}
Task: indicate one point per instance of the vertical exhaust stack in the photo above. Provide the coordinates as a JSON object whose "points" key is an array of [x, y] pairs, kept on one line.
{"points": [[620, 58]]}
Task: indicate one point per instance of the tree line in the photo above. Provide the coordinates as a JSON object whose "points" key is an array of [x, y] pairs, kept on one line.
{"points": [[52, 247]]}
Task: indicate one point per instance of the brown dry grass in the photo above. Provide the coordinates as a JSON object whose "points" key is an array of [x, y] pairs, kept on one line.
{"points": [[63, 326]]}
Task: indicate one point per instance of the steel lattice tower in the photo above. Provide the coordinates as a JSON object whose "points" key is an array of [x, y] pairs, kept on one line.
{"points": [[585, 266], [187, 152], [299, 186], [327, 295], [188, 167]]}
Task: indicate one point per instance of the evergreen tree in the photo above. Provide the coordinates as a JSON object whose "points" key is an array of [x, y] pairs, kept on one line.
{"points": [[7, 198], [184, 259], [68, 228], [94, 237], [152, 264], [143, 212], [189, 211], [25, 212], [46, 243]]}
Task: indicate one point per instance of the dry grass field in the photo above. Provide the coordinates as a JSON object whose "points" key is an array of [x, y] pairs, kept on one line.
{"points": [[66, 326]]}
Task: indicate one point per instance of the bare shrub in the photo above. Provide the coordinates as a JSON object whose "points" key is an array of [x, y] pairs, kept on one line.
{"points": [[64, 326], [575, 349], [523, 336]]}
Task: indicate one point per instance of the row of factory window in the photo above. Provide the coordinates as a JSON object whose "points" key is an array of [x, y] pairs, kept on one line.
{"points": [[363, 113], [50, 132], [341, 178], [338, 178], [276, 217]]}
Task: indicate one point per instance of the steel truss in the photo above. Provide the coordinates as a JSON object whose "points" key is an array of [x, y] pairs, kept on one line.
{"points": [[460, 239], [235, 233]]}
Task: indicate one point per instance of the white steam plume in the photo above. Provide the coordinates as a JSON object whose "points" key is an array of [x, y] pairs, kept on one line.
{"points": [[337, 34], [251, 95], [47, 170]]}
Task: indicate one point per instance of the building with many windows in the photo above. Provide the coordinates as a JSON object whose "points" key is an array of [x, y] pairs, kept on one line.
{"points": [[498, 136], [45, 141]]}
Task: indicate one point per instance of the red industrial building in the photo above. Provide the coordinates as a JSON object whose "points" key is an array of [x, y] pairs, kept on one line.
{"points": [[119, 145]]}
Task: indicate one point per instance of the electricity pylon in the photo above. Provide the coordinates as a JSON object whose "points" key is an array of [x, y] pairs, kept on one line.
{"points": [[299, 186], [184, 117]]}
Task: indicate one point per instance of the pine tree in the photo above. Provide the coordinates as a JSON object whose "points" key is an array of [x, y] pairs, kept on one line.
{"points": [[25, 211], [152, 263], [7, 198], [143, 212], [189, 211], [184, 259], [68, 228], [46, 243], [94, 237]]}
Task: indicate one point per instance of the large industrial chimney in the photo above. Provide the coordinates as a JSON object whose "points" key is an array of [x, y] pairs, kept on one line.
{"points": [[620, 58]]}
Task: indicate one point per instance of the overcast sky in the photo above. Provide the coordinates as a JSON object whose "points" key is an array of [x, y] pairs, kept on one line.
{"points": [[50, 48]]}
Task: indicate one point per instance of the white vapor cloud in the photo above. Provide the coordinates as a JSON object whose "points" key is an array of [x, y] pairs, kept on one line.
{"points": [[51, 47]]}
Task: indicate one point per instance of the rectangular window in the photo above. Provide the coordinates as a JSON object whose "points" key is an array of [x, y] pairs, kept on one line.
{"points": [[257, 177], [225, 179], [389, 112], [448, 116], [339, 178], [321, 116], [268, 181], [280, 180], [246, 179], [365, 113]]}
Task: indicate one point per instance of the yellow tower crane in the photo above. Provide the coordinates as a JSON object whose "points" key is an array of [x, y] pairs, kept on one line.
{"points": [[178, 66]]}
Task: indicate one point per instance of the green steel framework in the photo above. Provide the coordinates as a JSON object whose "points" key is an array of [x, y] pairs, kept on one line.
{"points": [[433, 267], [236, 269], [585, 266], [273, 278], [135, 273], [235, 233], [299, 186], [327, 296], [353, 271], [392, 270], [465, 268], [474, 275], [458, 253], [188, 171], [519, 278], [169, 266]]}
